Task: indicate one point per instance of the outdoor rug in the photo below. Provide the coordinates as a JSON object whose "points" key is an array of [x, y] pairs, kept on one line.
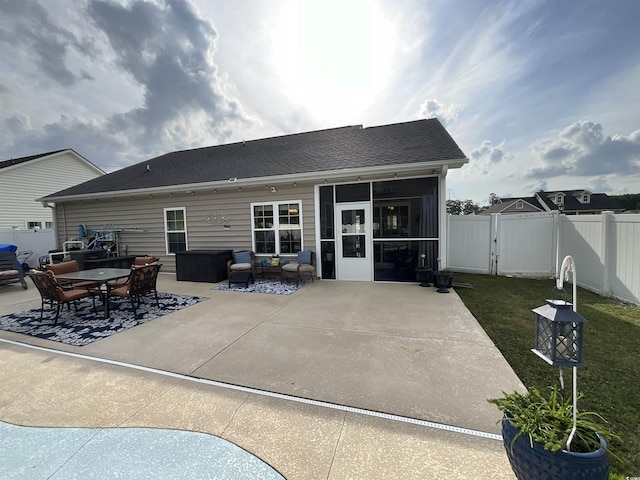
{"points": [[84, 326], [263, 286]]}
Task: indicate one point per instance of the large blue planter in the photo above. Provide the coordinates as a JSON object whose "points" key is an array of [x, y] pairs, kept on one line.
{"points": [[539, 464]]}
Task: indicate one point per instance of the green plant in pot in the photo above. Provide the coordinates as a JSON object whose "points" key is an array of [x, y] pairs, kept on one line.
{"points": [[536, 428], [545, 436]]}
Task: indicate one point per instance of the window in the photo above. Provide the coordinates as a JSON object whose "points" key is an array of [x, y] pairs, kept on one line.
{"points": [[37, 224], [585, 198], [559, 199], [519, 205], [277, 228], [175, 229]]}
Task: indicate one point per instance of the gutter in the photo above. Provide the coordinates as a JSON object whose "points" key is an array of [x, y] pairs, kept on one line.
{"points": [[343, 174]]}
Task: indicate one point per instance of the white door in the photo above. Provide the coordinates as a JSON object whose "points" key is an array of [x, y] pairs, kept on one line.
{"points": [[354, 247]]}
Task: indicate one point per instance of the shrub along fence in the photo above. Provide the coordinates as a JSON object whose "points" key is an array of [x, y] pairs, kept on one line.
{"points": [[605, 247]]}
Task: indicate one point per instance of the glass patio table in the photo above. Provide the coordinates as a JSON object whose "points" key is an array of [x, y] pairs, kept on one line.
{"points": [[102, 277]]}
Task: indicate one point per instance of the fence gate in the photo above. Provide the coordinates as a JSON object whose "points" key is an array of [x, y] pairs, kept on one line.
{"points": [[523, 244]]}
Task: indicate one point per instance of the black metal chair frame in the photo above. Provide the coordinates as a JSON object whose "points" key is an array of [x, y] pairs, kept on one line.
{"points": [[53, 294], [141, 281]]}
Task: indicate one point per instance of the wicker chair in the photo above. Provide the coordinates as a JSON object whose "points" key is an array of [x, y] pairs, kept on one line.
{"points": [[243, 261], [54, 294], [305, 264]]}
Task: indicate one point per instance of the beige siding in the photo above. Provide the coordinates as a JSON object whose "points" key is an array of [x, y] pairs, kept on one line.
{"points": [[148, 213], [20, 185]]}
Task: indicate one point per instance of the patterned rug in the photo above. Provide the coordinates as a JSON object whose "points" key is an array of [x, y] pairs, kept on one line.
{"points": [[263, 286], [84, 326]]}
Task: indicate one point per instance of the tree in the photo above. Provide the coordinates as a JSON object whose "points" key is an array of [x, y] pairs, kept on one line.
{"points": [[462, 207], [470, 208], [454, 207], [494, 199], [628, 201]]}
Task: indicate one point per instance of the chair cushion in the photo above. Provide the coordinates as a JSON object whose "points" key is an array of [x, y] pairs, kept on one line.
{"points": [[304, 256], [290, 267], [240, 266], [242, 257], [306, 268]]}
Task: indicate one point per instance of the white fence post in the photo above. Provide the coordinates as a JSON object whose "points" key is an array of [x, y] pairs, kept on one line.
{"points": [[605, 248]]}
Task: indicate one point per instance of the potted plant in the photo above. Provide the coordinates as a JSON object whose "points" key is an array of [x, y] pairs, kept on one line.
{"points": [[442, 280], [535, 431]]}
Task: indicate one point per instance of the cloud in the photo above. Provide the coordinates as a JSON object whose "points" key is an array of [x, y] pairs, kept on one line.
{"points": [[431, 108], [535, 186], [168, 49], [489, 153], [27, 30], [165, 49], [582, 149]]}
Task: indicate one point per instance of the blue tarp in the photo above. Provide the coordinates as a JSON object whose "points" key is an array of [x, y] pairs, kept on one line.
{"points": [[7, 247]]}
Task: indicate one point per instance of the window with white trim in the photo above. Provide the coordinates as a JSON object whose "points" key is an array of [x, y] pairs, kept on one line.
{"points": [[175, 229], [519, 205], [276, 227], [559, 199], [585, 198], [38, 224]]}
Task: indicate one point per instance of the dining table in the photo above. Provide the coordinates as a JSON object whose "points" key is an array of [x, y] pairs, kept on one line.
{"points": [[101, 277]]}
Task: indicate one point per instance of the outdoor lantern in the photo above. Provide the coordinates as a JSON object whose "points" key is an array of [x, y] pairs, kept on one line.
{"points": [[559, 333]]}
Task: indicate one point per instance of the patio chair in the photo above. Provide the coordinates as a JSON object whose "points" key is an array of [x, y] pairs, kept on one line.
{"points": [[137, 263], [69, 267], [10, 270], [147, 260], [305, 264], [243, 261], [142, 280], [53, 294]]}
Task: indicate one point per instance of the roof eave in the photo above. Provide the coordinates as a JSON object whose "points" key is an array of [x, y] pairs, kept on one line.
{"points": [[434, 166]]}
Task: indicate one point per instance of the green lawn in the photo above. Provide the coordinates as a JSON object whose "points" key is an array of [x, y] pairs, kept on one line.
{"points": [[611, 380]]}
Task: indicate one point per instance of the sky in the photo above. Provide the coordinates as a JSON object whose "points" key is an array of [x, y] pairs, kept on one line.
{"points": [[539, 95]]}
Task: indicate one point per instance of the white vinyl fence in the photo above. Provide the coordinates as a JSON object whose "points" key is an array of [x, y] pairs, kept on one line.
{"points": [[39, 242], [606, 248]]}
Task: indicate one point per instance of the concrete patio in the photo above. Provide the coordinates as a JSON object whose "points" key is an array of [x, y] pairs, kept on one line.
{"points": [[393, 348]]}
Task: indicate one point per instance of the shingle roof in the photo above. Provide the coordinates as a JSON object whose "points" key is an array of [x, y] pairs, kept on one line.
{"points": [[318, 151], [16, 161], [506, 203], [598, 201]]}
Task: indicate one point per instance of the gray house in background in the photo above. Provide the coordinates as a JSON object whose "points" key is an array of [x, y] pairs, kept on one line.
{"points": [[369, 201], [570, 202]]}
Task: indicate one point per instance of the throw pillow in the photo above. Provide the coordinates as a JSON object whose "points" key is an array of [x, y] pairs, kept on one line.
{"points": [[304, 256], [242, 257]]}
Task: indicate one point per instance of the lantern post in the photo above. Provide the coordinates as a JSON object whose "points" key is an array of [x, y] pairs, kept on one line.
{"points": [[559, 333]]}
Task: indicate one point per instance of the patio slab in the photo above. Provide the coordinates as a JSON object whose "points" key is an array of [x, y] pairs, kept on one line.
{"points": [[394, 348]]}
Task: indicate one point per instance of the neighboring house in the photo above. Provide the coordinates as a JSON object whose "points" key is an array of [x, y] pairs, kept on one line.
{"points": [[369, 201], [23, 180], [513, 205], [571, 202], [577, 202]]}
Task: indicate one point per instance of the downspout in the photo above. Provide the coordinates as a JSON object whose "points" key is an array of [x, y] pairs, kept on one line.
{"points": [[443, 257]]}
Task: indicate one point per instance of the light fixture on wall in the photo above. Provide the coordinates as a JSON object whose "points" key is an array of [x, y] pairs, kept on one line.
{"points": [[273, 190], [295, 184]]}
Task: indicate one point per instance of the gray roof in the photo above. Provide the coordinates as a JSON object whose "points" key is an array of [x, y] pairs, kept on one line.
{"points": [[506, 203], [16, 161], [598, 201], [352, 147]]}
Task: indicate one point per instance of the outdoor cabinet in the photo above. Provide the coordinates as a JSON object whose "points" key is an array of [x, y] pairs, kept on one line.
{"points": [[202, 265], [81, 256]]}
